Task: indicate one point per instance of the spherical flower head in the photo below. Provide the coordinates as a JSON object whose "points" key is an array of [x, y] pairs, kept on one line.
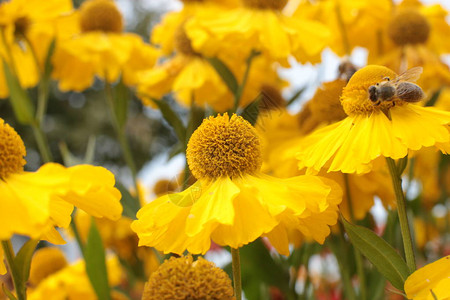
{"points": [[224, 147], [409, 27], [182, 278], [12, 151], [355, 96], [100, 15], [265, 4], [45, 262]]}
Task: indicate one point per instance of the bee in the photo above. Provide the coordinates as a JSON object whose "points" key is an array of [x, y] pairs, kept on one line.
{"points": [[400, 87]]}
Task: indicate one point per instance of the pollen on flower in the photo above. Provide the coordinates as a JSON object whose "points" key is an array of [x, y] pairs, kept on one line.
{"points": [[409, 27], [182, 42], [355, 96], [182, 278], [45, 262], [224, 147], [100, 15], [265, 4], [12, 151]]}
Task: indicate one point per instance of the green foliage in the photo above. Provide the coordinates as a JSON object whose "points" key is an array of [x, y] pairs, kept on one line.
{"points": [[94, 255], [379, 253]]}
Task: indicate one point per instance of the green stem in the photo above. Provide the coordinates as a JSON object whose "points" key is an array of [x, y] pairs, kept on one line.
{"points": [[121, 136], [240, 90], [9, 254], [358, 257], [236, 263], [42, 142], [343, 263], [402, 215]]}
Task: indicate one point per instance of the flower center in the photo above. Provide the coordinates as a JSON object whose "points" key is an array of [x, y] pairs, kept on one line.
{"points": [[100, 15], [21, 26], [223, 146], [265, 4], [355, 96], [182, 43], [12, 151], [409, 27], [183, 278]]}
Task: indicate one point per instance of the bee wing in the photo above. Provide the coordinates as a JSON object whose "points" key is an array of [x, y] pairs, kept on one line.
{"points": [[409, 92], [410, 75]]}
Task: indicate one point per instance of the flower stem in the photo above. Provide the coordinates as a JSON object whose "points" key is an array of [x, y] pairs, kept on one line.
{"points": [[403, 218], [236, 262], [42, 142], [9, 254], [358, 257], [120, 131]]}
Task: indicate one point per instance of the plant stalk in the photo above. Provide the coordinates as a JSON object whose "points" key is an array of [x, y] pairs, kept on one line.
{"points": [[9, 255], [236, 263], [402, 215]]}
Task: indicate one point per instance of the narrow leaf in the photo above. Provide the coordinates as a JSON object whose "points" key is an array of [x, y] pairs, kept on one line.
{"points": [[96, 263], [434, 98], [20, 100], [8, 293], [225, 73], [23, 260], [401, 164], [172, 118], [295, 96], [121, 99], [379, 253], [251, 111], [130, 204]]}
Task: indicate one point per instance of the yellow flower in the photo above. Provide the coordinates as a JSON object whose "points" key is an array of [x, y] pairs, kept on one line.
{"points": [[352, 23], [44, 263], [72, 283], [370, 131], [418, 34], [192, 78], [259, 25], [282, 133], [27, 27], [184, 278], [34, 202], [431, 279], [99, 48], [233, 203]]}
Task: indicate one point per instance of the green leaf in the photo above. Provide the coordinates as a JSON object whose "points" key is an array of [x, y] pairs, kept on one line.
{"points": [[121, 99], [251, 111], [172, 118], [434, 98], [8, 293], [379, 253], [295, 96], [20, 101], [401, 164], [225, 73], [23, 260], [130, 204], [96, 263], [196, 116]]}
